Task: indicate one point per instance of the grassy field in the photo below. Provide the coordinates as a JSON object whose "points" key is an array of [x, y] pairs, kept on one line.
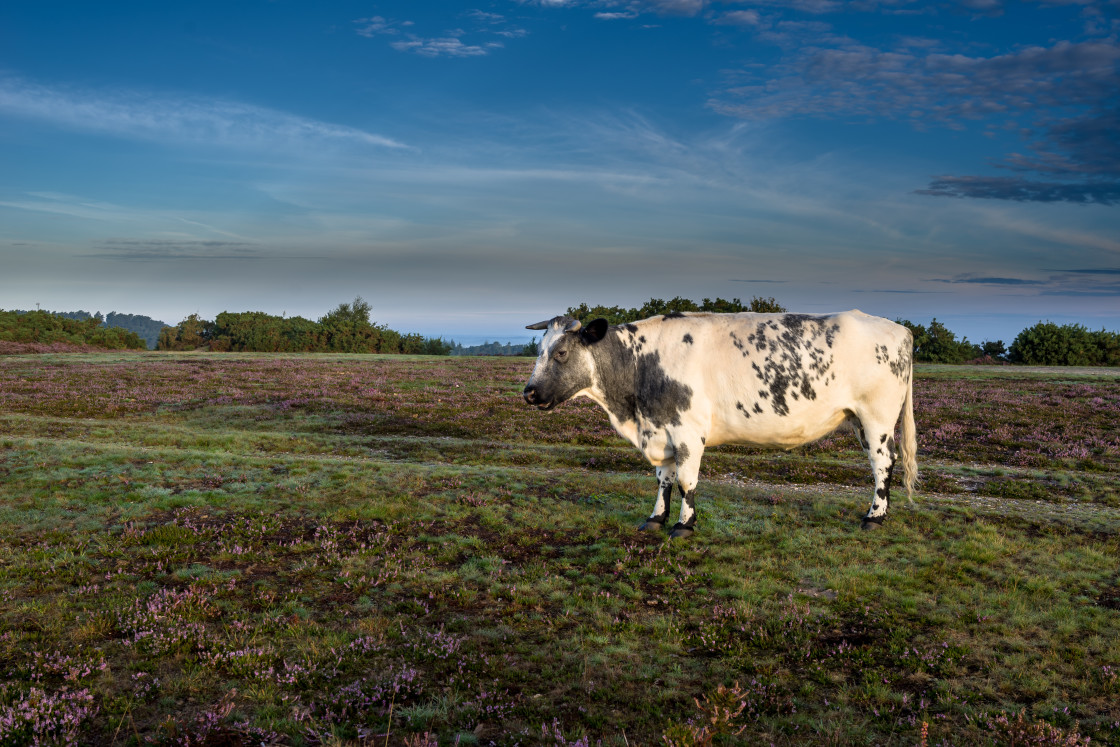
{"points": [[221, 549]]}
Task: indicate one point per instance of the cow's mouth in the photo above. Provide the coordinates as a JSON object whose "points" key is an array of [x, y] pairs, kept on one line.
{"points": [[545, 406]]}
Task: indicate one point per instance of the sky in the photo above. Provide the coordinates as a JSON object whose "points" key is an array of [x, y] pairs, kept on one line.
{"points": [[469, 168]]}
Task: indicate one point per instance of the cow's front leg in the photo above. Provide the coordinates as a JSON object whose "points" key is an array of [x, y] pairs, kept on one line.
{"points": [[666, 476], [688, 474]]}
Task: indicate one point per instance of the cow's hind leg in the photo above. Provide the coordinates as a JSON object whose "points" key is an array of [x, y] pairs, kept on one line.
{"points": [[878, 443], [666, 476]]}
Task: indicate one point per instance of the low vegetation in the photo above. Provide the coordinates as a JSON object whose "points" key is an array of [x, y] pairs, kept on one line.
{"points": [[248, 549], [42, 331], [345, 329]]}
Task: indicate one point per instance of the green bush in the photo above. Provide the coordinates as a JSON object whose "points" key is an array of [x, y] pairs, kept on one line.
{"points": [[938, 344], [44, 327], [345, 329], [1048, 344], [658, 307]]}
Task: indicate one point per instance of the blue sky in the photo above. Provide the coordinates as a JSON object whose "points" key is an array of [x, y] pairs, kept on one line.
{"points": [[472, 167]]}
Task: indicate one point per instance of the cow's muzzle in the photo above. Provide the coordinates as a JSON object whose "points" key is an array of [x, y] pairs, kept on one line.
{"points": [[533, 397]]}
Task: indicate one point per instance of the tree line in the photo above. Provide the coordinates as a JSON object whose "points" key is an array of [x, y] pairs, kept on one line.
{"points": [[1043, 344], [144, 326], [658, 307], [47, 328], [345, 329], [348, 329]]}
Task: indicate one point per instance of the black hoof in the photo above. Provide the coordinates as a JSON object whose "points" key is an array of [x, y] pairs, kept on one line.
{"points": [[680, 531], [652, 525], [869, 524]]}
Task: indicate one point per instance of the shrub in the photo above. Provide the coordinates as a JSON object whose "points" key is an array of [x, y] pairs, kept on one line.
{"points": [[1048, 344], [657, 307], [938, 344]]}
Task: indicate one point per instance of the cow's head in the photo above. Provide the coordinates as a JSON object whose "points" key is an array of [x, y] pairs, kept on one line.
{"points": [[565, 366]]}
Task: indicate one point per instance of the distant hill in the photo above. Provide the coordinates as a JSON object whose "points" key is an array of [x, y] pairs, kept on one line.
{"points": [[144, 326], [492, 348]]}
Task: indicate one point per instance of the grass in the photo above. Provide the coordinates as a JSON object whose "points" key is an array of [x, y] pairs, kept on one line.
{"points": [[247, 549]]}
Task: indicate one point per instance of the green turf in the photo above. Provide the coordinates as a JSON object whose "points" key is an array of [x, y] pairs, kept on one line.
{"points": [[246, 549]]}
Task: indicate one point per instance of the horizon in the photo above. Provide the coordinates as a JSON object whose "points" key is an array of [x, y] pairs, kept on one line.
{"points": [[473, 339], [471, 168]]}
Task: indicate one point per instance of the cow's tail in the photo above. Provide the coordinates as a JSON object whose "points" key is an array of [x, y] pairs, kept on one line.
{"points": [[909, 445]]}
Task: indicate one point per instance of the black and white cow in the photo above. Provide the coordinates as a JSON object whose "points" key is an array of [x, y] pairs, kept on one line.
{"points": [[675, 384]]}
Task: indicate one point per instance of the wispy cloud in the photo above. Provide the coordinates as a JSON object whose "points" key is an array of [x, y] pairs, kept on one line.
{"points": [[738, 18], [133, 114], [947, 89], [450, 43], [449, 46]]}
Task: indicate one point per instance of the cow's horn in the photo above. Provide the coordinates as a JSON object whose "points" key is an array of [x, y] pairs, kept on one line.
{"points": [[539, 325]]}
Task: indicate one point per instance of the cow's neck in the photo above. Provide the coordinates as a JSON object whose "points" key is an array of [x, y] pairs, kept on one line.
{"points": [[616, 375]]}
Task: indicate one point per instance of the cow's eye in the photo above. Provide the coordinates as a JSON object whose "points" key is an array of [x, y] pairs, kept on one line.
{"points": [[561, 355]]}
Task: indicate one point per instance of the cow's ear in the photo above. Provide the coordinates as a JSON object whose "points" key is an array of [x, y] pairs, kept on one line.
{"points": [[594, 331]]}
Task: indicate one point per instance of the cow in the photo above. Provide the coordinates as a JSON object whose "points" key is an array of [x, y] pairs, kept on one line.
{"points": [[675, 384]]}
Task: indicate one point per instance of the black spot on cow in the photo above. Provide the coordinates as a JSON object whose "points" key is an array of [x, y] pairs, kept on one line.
{"points": [[743, 409], [795, 360], [681, 452], [674, 315], [687, 339], [660, 398], [903, 363], [758, 337], [757, 408], [636, 383]]}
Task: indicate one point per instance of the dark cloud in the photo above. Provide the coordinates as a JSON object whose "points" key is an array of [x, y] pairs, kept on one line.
{"points": [[1071, 283], [1022, 190], [992, 281], [1085, 145], [175, 249]]}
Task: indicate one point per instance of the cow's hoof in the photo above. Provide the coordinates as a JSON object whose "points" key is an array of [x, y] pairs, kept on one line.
{"points": [[652, 525], [680, 531], [869, 524]]}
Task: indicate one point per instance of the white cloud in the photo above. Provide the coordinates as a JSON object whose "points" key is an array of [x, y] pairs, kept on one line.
{"points": [[739, 18], [199, 121], [445, 47]]}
